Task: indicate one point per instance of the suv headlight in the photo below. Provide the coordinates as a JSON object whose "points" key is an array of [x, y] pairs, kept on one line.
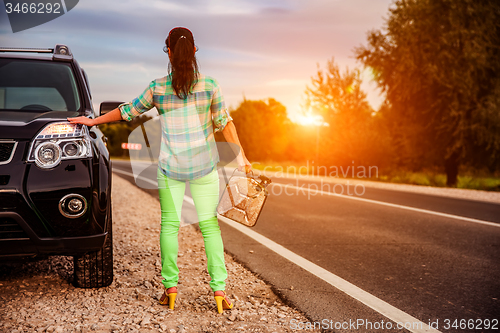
{"points": [[59, 141]]}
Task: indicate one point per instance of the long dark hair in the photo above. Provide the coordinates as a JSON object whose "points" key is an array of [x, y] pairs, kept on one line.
{"points": [[183, 65]]}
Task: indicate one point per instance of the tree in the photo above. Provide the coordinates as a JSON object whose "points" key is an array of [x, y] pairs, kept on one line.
{"points": [[261, 127], [438, 63], [338, 98]]}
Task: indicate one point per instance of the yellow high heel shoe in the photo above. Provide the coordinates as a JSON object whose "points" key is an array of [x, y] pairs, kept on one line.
{"points": [[222, 301], [169, 296]]}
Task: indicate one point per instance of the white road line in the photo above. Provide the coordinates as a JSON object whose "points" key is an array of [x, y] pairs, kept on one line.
{"points": [[451, 216], [382, 307], [368, 299]]}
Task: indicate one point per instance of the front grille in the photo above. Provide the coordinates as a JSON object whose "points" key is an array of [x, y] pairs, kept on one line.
{"points": [[9, 229], [6, 151]]}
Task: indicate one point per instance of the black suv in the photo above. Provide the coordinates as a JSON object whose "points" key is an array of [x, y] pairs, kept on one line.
{"points": [[55, 181]]}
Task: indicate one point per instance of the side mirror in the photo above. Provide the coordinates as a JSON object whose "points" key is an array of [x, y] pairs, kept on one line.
{"points": [[108, 106]]}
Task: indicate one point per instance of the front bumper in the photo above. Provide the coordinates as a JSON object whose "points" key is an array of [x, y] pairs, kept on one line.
{"points": [[24, 242], [30, 220]]}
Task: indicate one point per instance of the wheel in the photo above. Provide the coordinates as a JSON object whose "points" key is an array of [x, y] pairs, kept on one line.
{"points": [[95, 269]]}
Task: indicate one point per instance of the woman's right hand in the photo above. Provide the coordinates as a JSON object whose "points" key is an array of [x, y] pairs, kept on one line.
{"points": [[82, 120], [111, 116]]}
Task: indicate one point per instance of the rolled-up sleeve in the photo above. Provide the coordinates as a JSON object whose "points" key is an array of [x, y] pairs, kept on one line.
{"points": [[220, 115], [144, 102]]}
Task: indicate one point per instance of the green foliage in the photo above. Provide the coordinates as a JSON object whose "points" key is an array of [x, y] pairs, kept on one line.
{"points": [[424, 178], [432, 178], [438, 63], [335, 94], [479, 183], [262, 129]]}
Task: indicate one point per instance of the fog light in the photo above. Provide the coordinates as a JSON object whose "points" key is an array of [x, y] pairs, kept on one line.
{"points": [[73, 206]]}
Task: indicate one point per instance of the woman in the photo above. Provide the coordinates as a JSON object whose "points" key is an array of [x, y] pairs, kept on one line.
{"points": [[190, 106]]}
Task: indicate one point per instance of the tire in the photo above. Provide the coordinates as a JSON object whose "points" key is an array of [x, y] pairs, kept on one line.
{"points": [[95, 269]]}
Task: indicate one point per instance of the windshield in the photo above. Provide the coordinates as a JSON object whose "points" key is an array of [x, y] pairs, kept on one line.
{"points": [[37, 86]]}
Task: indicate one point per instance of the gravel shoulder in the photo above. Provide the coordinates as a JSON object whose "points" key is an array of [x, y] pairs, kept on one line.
{"points": [[38, 297]]}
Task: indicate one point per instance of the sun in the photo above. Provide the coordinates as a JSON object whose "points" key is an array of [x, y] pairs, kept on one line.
{"points": [[310, 119]]}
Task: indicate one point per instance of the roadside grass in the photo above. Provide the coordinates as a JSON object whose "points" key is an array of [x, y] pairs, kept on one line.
{"points": [[479, 183], [466, 180], [485, 183]]}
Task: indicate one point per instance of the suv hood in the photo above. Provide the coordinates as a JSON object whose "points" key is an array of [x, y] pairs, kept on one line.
{"points": [[25, 125]]}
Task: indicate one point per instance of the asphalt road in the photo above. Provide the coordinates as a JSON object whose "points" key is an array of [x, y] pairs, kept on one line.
{"points": [[434, 268]]}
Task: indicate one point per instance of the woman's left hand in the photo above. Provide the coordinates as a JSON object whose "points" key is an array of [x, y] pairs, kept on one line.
{"points": [[244, 164]]}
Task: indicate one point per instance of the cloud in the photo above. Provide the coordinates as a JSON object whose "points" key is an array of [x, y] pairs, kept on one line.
{"points": [[128, 7], [195, 8]]}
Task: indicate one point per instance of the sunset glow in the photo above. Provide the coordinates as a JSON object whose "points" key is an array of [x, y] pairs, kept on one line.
{"points": [[310, 119]]}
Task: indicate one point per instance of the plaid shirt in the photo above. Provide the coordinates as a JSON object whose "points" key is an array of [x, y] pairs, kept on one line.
{"points": [[188, 149]]}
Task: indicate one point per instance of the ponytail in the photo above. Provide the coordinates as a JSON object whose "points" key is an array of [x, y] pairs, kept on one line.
{"points": [[183, 65]]}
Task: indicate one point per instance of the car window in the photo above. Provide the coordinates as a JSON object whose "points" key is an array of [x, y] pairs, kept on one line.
{"points": [[37, 86]]}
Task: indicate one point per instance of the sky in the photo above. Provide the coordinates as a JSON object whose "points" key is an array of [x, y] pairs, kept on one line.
{"points": [[256, 49]]}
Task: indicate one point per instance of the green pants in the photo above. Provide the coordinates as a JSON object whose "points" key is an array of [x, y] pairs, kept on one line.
{"points": [[205, 192]]}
